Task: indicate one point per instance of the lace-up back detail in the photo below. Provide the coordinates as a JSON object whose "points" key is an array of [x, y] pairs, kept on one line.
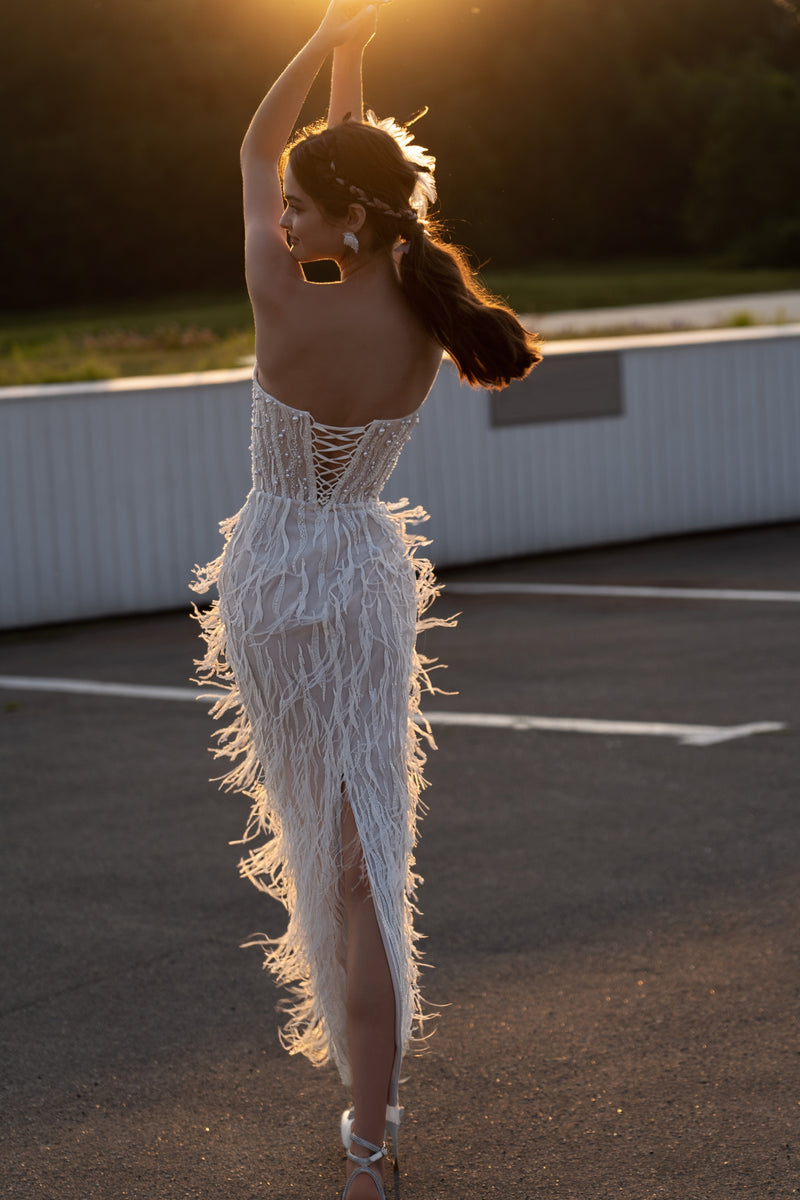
{"points": [[333, 448], [294, 455]]}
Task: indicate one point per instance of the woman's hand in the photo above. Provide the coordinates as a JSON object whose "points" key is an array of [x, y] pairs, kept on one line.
{"points": [[366, 23], [347, 93], [351, 21]]}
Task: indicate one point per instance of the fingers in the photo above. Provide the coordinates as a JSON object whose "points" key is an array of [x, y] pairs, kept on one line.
{"points": [[350, 20], [352, 10], [366, 22]]}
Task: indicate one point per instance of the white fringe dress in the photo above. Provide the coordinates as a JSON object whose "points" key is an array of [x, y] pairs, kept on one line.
{"points": [[313, 640]]}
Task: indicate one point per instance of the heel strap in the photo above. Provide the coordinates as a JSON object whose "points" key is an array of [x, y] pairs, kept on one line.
{"points": [[363, 1167], [378, 1152]]}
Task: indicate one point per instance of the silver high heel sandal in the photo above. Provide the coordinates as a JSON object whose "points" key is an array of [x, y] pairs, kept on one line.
{"points": [[394, 1115], [365, 1165]]}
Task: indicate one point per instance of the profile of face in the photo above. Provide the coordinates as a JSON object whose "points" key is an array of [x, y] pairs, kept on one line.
{"points": [[312, 235], [308, 231]]}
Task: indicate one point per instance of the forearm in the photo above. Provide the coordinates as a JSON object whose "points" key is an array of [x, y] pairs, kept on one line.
{"points": [[276, 116], [346, 86]]}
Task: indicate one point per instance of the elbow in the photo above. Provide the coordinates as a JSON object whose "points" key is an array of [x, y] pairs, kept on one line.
{"points": [[254, 153], [249, 150]]}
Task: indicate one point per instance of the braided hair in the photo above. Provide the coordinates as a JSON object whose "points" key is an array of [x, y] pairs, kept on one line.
{"points": [[373, 202], [377, 165]]}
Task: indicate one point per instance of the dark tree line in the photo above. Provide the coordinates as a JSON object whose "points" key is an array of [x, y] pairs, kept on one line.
{"points": [[564, 128]]}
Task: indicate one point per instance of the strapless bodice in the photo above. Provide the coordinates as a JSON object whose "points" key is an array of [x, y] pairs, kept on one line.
{"points": [[296, 456]]}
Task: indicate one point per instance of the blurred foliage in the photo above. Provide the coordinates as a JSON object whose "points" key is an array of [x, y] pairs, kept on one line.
{"points": [[565, 129]]}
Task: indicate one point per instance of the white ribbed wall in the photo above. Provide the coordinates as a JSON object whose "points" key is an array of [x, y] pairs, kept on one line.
{"points": [[710, 438], [110, 492]]}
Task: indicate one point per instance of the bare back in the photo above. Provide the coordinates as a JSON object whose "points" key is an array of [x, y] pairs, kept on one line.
{"points": [[347, 352]]}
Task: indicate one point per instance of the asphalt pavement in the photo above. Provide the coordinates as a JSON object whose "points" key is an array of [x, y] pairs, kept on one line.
{"points": [[611, 917]]}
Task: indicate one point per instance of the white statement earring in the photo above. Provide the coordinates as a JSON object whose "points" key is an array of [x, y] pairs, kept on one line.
{"points": [[351, 240]]}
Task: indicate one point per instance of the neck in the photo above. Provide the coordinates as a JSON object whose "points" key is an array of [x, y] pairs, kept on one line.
{"points": [[365, 265]]}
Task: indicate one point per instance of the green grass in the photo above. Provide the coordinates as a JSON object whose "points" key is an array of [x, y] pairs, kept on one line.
{"points": [[602, 285], [204, 333], [108, 341]]}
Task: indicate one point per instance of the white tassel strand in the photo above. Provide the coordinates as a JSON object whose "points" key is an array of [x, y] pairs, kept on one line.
{"points": [[312, 639]]}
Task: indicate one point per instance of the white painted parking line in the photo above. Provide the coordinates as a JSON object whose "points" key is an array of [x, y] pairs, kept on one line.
{"points": [[688, 735], [96, 687], [647, 593]]}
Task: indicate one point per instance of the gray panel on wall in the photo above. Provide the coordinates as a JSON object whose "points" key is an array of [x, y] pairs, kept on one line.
{"points": [[564, 387]]}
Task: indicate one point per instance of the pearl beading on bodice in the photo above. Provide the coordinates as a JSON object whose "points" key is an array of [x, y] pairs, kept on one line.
{"points": [[294, 455]]}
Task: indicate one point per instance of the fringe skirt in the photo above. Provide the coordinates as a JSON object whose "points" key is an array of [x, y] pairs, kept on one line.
{"points": [[312, 643]]}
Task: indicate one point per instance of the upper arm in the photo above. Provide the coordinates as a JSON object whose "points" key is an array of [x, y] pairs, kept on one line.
{"points": [[269, 266]]}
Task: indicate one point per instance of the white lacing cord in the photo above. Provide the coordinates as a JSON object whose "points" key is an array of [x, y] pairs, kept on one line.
{"points": [[333, 452]]}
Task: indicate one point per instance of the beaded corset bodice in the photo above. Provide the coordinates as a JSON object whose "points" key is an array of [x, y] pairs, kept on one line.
{"points": [[296, 456]]}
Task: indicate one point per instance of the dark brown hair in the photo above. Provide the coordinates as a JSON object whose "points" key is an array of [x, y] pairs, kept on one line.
{"points": [[362, 163]]}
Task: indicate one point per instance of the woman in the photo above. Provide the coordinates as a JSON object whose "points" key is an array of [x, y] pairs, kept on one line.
{"points": [[319, 593]]}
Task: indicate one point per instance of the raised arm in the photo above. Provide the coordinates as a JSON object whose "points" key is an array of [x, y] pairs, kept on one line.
{"points": [[270, 130], [275, 117], [347, 94]]}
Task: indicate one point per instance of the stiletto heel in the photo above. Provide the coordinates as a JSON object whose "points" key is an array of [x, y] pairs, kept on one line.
{"points": [[394, 1117], [365, 1165]]}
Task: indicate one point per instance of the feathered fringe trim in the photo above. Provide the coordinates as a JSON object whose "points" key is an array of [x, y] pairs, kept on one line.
{"points": [[302, 959]]}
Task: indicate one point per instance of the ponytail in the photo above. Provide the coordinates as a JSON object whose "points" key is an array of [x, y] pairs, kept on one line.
{"points": [[377, 164], [481, 334]]}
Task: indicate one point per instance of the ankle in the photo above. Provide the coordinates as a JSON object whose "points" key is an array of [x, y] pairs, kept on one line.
{"points": [[364, 1148], [375, 1138], [364, 1153]]}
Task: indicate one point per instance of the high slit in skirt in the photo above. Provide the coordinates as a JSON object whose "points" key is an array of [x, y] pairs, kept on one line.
{"points": [[312, 640]]}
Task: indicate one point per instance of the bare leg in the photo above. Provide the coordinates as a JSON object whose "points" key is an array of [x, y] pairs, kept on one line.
{"points": [[370, 1007]]}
